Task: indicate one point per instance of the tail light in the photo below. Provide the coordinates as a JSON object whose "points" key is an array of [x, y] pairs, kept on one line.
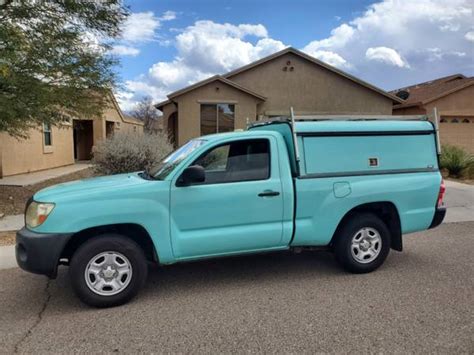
{"points": [[442, 190]]}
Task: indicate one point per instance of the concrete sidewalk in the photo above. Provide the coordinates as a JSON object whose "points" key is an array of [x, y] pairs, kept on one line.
{"points": [[459, 201], [40, 176], [12, 223], [7, 257]]}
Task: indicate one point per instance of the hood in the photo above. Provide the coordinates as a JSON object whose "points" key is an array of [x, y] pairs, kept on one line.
{"points": [[82, 188]]}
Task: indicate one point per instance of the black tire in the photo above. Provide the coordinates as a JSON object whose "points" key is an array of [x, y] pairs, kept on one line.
{"points": [[108, 243], [343, 243]]}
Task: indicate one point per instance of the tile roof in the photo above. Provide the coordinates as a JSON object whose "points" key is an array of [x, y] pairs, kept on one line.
{"points": [[428, 91]]}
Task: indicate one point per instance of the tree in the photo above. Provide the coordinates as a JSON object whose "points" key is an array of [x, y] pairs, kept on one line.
{"points": [[54, 61], [145, 111]]}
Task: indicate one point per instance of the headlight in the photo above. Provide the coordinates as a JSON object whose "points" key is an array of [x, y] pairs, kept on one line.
{"points": [[37, 212]]}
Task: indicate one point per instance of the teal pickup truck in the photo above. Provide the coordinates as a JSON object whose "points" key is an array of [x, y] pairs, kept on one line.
{"points": [[349, 186]]}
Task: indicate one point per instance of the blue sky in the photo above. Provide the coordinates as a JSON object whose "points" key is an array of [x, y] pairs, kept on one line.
{"points": [[390, 43]]}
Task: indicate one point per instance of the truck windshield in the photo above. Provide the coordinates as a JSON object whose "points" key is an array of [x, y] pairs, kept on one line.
{"points": [[166, 166]]}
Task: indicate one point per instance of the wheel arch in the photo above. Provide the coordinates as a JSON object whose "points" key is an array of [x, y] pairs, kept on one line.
{"points": [[133, 231], [387, 212]]}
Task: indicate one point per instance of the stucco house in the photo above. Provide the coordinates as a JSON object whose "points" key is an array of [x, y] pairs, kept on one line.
{"points": [[49, 146], [267, 88], [453, 97]]}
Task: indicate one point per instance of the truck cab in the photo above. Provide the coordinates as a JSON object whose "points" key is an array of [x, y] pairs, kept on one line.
{"points": [[352, 187]]}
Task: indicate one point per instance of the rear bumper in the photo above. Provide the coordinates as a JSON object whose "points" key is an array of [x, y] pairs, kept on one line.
{"points": [[438, 217], [39, 253]]}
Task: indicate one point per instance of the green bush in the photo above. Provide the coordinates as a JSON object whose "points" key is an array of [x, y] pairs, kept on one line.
{"points": [[456, 160], [127, 152]]}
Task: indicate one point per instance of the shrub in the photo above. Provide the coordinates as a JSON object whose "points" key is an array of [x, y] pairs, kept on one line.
{"points": [[127, 152], [456, 160]]}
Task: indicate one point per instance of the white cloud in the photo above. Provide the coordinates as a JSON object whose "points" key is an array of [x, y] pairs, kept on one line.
{"points": [[339, 37], [134, 92], [203, 49], [175, 74], [140, 27], [217, 48], [433, 38], [389, 34], [124, 50], [330, 58], [437, 54], [386, 55], [168, 16]]}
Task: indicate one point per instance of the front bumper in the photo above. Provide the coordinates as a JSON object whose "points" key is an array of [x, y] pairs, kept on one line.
{"points": [[39, 252], [438, 217]]}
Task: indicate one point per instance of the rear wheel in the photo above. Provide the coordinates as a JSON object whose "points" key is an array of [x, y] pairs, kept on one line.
{"points": [[108, 270], [362, 244]]}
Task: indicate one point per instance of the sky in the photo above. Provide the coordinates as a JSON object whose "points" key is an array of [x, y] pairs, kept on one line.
{"points": [[167, 45]]}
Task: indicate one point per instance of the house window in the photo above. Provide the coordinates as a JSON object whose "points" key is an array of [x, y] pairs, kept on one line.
{"points": [[47, 134], [217, 118]]}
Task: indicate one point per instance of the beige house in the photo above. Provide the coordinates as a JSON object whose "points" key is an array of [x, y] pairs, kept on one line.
{"points": [[49, 147], [453, 96], [267, 88]]}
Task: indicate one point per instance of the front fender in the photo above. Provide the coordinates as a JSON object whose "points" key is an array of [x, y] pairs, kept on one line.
{"points": [[143, 206]]}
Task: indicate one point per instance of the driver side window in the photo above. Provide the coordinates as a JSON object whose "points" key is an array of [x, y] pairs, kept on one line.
{"points": [[244, 160]]}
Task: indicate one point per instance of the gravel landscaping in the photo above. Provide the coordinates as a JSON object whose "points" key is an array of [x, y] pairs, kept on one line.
{"points": [[13, 198], [7, 238]]}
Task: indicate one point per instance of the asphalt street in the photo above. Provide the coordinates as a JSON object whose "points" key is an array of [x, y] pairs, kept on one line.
{"points": [[421, 300]]}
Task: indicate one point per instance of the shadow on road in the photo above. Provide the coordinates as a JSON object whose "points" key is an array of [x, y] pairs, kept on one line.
{"points": [[224, 275]]}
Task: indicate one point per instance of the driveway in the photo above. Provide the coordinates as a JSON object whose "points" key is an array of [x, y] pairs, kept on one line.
{"points": [[420, 301], [460, 202]]}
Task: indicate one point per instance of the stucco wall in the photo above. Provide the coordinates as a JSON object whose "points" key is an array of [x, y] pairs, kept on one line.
{"points": [[22, 156], [111, 114], [459, 105], [310, 89], [189, 108], [131, 127], [415, 110], [460, 134]]}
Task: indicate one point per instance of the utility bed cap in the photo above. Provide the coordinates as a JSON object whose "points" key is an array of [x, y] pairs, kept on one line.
{"points": [[363, 126]]}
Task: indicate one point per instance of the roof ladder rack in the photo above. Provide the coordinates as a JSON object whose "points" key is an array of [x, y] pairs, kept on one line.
{"points": [[333, 117]]}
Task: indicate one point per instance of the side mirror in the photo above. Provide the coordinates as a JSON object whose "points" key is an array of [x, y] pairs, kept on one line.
{"points": [[192, 174]]}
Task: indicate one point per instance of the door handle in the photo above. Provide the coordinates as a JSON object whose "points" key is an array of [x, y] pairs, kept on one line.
{"points": [[268, 193]]}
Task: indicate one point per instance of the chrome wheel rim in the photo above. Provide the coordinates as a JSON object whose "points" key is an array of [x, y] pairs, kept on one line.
{"points": [[366, 245], [108, 273]]}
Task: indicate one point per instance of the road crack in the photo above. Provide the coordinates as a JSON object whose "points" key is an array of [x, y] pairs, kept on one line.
{"points": [[38, 320]]}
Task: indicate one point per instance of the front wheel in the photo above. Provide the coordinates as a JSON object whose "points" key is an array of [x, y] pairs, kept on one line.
{"points": [[108, 270], [362, 244]]}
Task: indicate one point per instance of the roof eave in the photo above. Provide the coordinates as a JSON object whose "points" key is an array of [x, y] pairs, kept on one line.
{"points": [[210, 80]]}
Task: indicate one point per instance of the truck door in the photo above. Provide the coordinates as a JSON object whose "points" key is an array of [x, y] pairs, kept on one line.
{"points": [[237, 208]]}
